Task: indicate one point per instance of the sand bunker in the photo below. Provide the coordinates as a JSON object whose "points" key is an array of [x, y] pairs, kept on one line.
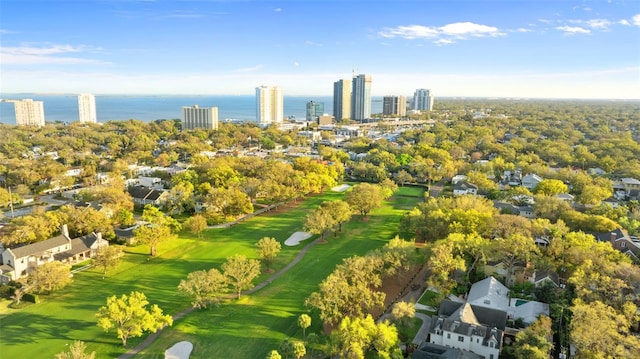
{"points": [[180, 350], [341, 188], [296, 238]]}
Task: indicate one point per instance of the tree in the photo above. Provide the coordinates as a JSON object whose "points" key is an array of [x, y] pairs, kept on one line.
{"points": [[403, 312], [550, 187], [513, 249], [338, 211], [403, 177], [441, 265], [357, 338], [160, 228], [274, 355], [599, 331], [131, 317], [304, 322], [388, 188], [299, 350], [49, 277], [204, 287], [77, 350], [196, 224], [241, 272], [535, 341], [268, 249], [398, 256], [319, 221], [107, 257], [364, 197]]}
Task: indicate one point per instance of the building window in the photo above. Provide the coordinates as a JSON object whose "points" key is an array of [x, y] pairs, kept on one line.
{"points": [[623, 244], [477, 340], [448, 335], [490, 344], [460, 338], [490, 356]]}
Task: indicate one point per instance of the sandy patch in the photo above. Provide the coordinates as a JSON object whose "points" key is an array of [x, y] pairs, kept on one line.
{"points": [[341, 188], [180, 350], [296, 238]]}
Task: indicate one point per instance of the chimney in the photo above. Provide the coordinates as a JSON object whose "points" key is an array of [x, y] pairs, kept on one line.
{"points": [[65, 231], [99, 237], [614, 236]]}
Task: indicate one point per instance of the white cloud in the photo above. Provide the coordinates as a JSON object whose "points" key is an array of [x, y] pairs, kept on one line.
{"points": [[572, 30], [278, 9], [443, 34], [40, 55], [313, 43], [600, 24], [5, 31], [522, 29], [296, 63], [410, 32], [441, 42], [463, 29], [249, 69], [624, 22], [636, 20]]}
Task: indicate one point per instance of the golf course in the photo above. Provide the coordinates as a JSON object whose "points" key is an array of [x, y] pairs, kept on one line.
{"points": [[246, 328]]}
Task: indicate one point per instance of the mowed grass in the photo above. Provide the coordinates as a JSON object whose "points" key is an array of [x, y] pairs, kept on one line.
{"points": [[237, 329]]}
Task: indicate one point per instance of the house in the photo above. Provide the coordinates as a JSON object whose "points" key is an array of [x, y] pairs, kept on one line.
{"points": [[566, 197], [463, 187], [526, 211], [630, 184], [490, 293], [531, 180], [620, 240], [506, 208], [469, 327], [21, 261], [458, 178], [143, 196], [541, 277]]}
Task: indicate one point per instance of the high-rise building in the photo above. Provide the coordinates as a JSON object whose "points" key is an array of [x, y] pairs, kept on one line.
{"points": [[423, 100], [314, 110], [361, 98], [269, 105], [87, 108], [29, 112], [196, 117], [341, 100], [394, 105]]}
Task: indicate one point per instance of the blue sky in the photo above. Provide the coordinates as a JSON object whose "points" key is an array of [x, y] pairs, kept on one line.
{"points": [[481, 48]]}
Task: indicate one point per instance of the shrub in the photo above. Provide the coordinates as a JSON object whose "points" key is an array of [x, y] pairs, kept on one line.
{"points": [[6, 291], [28, 297]]}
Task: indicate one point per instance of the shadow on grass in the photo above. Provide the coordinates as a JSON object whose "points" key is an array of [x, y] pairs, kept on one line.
{"points": [[37, 327]]}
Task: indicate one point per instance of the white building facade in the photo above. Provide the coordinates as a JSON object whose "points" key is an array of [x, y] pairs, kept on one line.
{"points": [[269, 105], [199, 117], [29, 112], [87, 108]]}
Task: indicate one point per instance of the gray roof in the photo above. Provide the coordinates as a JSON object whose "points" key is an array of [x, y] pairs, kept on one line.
{"points": [[489, 293], [530, 311], [39, 248], [463, 185], [435, 351], [466, 319], [141, 192]]}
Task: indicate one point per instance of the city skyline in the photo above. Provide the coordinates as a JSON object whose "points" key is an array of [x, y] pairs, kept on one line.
{"points": [[462, 48]]}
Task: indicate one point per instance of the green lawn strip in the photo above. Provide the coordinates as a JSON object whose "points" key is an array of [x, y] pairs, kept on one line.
{"points": [[253, 326], [44, 329], [429, 298], [410, 191]]}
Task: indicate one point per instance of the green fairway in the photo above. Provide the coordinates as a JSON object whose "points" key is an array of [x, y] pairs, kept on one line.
{"points": [[238, 329]]}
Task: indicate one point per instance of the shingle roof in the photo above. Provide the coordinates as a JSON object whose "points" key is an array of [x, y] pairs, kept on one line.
{"points": [[435, 351], [141, 192], [491, 290], [38, 248]]}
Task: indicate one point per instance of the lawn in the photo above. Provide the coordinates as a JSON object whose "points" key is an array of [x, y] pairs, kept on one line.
{"points": [[247, 328]]}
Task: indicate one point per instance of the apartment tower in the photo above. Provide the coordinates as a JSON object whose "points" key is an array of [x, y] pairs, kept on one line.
{"points": [[29, 112], [87, 108], [314, 110], [361, 98], [394, 105], [269, 105], [341, 100], [423, 100], [196, 117]]}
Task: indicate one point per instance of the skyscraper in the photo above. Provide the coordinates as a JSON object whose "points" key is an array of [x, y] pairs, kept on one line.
{"points": [[361, 98], [341, 100], [269, 105], [314, 109], [394, 105], [87, 108], [423, 100], [29, 112], [196, 117]]}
